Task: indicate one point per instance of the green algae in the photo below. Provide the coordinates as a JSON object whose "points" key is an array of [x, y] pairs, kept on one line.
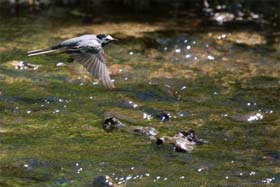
{"points": [[51, 118]]}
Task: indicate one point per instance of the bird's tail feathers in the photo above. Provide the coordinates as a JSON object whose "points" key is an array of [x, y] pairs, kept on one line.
{"points": [[40, 51], [43, 51]]}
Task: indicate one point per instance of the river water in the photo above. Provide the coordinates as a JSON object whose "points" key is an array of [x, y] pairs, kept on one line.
{"points": [[223, 81]]}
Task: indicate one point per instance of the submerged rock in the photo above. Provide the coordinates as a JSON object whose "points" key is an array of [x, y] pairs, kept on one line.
{"points": [[182, 141], [112, 123], [105, 181]]}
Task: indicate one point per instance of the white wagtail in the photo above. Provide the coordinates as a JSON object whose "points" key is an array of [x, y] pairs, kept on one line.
{"points": [[88, 51]]}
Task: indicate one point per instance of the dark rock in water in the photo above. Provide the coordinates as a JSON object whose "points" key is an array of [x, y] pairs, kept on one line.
{"points": [[159, 141], [182, 141], [112, 123], [104, 181], [120, 116], [50, 99], [163, 116], [147, 131], [158, 114], [273, 156], [33, 162]]}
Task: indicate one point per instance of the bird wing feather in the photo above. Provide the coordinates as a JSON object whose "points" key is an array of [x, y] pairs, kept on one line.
{"points": [[95, 65]]}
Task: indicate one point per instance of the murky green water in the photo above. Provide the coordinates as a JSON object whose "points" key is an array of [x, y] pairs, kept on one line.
{"points": [[208, 78]]}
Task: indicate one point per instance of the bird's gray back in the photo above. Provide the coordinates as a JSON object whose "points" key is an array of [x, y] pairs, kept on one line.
{"points": [[76, 40]]}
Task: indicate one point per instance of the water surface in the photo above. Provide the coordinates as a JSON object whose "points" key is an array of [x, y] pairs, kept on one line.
{"points": [[209, 78]]}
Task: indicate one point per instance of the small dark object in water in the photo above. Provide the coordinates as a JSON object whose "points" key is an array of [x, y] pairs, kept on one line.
{"points": [[163, 116], [103, 181], [182, 141], [159, 141], [112, 123], [50, 99]]}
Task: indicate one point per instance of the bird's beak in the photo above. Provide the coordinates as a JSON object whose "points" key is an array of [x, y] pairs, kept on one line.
{"points": [[114, 39]]}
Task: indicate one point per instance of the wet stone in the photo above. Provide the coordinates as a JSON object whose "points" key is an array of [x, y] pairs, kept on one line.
{"points": [[112, 123], [33, 162], [104, 181], [163, 117], [50, 99], [181, 142], [156, 114]]}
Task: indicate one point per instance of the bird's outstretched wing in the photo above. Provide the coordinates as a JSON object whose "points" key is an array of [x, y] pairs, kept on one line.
{"points": [[86, 50], [95, 65]]}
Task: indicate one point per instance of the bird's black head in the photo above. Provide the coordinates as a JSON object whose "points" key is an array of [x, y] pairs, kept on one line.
{"points": [[105, 39]]}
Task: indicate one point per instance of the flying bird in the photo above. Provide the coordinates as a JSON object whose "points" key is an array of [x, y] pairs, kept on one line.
{"points": [[87, 50]]}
